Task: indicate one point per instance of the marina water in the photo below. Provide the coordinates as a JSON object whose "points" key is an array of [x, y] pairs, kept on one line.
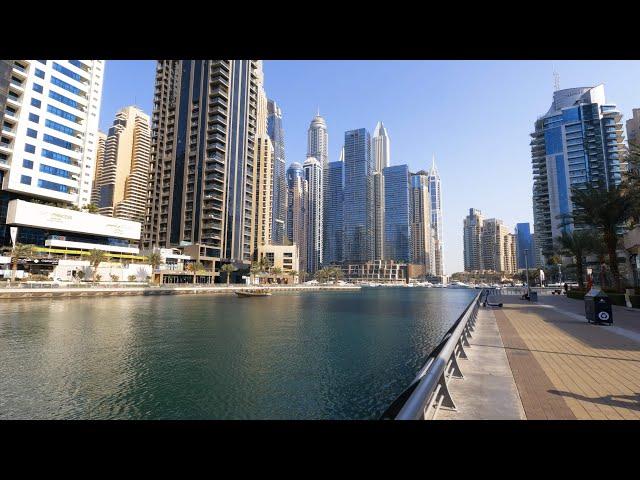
{"points": [[296, 355]]}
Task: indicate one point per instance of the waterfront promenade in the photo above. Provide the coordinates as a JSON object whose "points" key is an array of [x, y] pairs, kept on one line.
{"points": [[562, 367]]}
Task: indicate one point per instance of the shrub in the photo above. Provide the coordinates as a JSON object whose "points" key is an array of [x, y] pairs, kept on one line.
{"points": [[98, 277], [114, 278], [131, 278]]}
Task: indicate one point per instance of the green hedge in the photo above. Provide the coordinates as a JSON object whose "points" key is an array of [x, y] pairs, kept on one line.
{"points": [[616, 298]]}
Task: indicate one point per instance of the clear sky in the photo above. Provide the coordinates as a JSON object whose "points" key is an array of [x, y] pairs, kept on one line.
{"points": [[475, 116]]}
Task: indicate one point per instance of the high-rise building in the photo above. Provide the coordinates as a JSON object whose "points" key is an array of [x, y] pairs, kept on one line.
{"points": [[578, 142], [633, 128], [275, 131], [122, 173], [49, 128], [472, 240], [524, 243], [263, 180], [313, 174], [334, 196], [436, 220], [397, 224], [358, 197], [203, 156], [421, 232], [297, 192], [381, 153], [95, 190], [497, 247], [318, 141]]}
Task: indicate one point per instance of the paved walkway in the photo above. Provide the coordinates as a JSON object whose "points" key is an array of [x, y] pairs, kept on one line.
{"points": [[488, 390], [565, 368]]}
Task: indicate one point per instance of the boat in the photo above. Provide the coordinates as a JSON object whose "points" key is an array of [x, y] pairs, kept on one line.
{"points": [[458, 285], [253, 293]]}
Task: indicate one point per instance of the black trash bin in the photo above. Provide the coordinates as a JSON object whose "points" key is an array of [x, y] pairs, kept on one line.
{"points": [[597, 307]]}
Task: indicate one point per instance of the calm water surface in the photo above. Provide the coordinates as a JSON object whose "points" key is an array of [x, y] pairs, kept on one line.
{"points": [[312, 355]]}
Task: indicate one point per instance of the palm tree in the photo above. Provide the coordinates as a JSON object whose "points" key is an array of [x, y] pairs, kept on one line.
{"points": [[254, 270], [228, 268], [605, 210], [577, 244], [293, 274], [336, 273], [154, 259], [265, 265], [96, 257], [19, 251], [91, 208]]}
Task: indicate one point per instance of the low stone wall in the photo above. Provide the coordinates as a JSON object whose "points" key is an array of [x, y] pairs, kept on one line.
{"points": [[61, 292]]}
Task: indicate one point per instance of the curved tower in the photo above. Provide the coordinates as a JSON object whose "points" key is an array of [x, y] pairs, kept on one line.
{"points": [[436, 219]]}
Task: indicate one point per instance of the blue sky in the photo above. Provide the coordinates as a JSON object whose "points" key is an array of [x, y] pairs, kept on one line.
{"points": [[475, 116]]}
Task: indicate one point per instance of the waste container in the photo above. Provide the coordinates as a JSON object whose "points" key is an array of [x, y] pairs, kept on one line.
{"points": [[533, 296], [597, 307]]}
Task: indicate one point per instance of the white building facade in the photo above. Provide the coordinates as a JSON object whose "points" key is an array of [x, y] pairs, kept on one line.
{"points": [[50, 129]]}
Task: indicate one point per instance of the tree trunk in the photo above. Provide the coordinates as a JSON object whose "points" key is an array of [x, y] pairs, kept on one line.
{"points": [[228, 278], [14, 268], [612, 243], [579, 271]]}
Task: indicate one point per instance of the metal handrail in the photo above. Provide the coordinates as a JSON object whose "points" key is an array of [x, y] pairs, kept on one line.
{"points": [[428, 392]]}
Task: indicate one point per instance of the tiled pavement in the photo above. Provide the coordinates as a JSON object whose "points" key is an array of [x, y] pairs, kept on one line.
{"points": [[565, 368]]}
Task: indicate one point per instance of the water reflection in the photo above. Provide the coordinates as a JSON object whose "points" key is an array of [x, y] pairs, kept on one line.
{"points": [[313, 355]]}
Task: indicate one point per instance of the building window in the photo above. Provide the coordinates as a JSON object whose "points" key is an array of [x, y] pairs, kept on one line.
{"points": [[35, 103], [65, 100], [29, 148], [67, 72], [27, 164], [25, 180], [39, 73], [58, 157], [32, 133], [61, 143], [55, 186], [38, 88], [61, 128], [55, 171], [63, 114], [66, 86], [34, 118]]}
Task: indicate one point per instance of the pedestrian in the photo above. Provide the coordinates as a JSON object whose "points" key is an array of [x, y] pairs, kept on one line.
{"points": [[566, 288]]}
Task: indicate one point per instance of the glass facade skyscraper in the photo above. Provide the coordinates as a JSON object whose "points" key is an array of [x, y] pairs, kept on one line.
{"points": [[397, 224], [313, 174], [358, 197], [578, 142], [275, 131], [334, 196], [524, 241]]}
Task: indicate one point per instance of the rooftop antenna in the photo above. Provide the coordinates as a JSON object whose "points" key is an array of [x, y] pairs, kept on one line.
{"points": [[556, 81], [318, 110]]}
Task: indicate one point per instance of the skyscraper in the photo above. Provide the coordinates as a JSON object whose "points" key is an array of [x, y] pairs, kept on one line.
{"points": [[334, 196], [524, 241], [436, 220], [633, 128], [472, 240], [318, 141], [381, 153], [297, 192], [497, 247], [95, 190], [263, 180], [358, 197], [397, 225], [421, 231], [579, 141], [122, 173], [279, 208], [203, 154], [313, 174], [49, 128]]}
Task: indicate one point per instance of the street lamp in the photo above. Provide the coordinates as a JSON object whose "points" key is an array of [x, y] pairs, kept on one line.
{"points": [[526, 266]]}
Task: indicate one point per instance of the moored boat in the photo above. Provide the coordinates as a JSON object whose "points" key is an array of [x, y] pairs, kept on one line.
{"points": [[253, 293]]}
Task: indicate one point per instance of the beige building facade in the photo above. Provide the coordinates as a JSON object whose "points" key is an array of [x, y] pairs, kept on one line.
{"points": [[123, 173], [284, 257]]}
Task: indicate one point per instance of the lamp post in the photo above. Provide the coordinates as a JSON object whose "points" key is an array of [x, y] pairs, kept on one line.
{"points": [[526, 266]]}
